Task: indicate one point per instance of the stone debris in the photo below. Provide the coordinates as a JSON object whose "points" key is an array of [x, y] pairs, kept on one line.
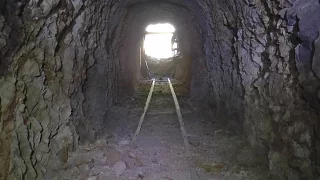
{"points": [[131, 155], [101, 161], [93, 178], [123, 143], [119, 168], [141, 175]]}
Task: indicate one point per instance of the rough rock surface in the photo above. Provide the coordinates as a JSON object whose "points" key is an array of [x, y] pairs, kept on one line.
{"points": [[119, 168], [63, 63], [53, 53]]}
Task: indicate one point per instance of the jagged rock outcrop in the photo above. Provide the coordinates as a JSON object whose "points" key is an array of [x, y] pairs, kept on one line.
{"points": [[53, 56], [63, 62], [263, 65]]}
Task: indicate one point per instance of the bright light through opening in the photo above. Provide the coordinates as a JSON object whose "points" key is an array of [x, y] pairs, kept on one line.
{"points": [[160, 28], [159, 45]]}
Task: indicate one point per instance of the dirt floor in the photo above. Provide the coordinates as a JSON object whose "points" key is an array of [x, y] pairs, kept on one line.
{"points": [[159, 153]]}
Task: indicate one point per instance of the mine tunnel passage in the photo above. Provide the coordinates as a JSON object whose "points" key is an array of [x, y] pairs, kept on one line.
{"points": [[160, 54], [158, 41], [75, 78]]}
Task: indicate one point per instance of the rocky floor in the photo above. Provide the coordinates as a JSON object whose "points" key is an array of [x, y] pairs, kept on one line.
{"points": [[159, 154]]}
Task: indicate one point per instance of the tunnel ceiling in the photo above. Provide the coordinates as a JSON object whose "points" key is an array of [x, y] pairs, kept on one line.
{"points": [[255, 64]]}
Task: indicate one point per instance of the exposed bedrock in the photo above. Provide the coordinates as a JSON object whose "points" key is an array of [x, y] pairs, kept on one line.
{"points": [[63, 63]]}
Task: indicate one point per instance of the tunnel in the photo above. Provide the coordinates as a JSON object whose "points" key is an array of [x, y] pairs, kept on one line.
{"points": [[74, 81]]}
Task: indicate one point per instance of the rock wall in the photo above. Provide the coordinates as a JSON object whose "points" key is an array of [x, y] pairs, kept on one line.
{"points": [[263, 67], [57, 81]]}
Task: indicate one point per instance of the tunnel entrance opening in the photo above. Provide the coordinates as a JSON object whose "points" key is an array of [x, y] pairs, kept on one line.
{"points": [[158, 41], [160, 51]]}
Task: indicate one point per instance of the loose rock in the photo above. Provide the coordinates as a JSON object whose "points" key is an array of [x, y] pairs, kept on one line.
{"points": [[119, 168]]}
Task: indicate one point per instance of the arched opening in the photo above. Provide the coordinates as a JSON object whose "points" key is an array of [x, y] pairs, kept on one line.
{"points": [[159, 41], [160, 55]]}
